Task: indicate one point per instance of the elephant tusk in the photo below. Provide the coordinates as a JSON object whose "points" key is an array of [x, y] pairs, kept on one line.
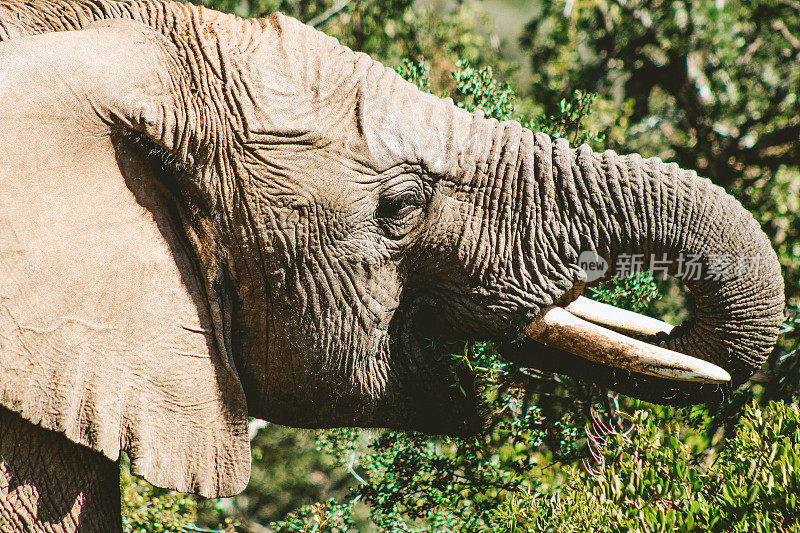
{"points": [[561, 329], [617, 319]]}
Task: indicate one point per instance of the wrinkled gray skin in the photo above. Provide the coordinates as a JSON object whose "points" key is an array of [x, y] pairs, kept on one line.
{"points": [[297, 220]]}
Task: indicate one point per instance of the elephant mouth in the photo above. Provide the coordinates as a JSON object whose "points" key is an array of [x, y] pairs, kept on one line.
{"points": [[605, 335], [586, 339]]}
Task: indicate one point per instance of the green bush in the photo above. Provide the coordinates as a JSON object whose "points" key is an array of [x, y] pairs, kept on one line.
{"points": [[642, 479], [147, 509], [645, 479]]}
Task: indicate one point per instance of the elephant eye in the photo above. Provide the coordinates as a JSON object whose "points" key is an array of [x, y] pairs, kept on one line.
{"points": [[399, 206]]}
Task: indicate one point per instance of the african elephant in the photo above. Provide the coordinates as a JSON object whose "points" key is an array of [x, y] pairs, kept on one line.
{"points": [[206, 218]]}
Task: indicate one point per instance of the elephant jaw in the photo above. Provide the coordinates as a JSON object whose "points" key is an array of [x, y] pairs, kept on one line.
{"points": [[579, 329]]}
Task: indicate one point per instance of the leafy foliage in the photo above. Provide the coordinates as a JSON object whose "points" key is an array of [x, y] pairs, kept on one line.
{"points": [[478, 89], [632, 292], [147, 509], [647, 479], [569, 120]]}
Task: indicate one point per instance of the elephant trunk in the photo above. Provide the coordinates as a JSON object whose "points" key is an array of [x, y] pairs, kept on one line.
{"points": [[645, 214]]}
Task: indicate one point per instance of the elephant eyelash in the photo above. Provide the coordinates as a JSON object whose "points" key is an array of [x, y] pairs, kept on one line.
{"points": [[399, 206]]}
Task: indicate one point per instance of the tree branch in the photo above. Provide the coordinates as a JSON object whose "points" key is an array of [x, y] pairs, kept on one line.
{"points": [[328, 14]]}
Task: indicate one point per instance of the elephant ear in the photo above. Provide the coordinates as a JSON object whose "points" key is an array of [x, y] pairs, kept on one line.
{"points": [[107, 329]]}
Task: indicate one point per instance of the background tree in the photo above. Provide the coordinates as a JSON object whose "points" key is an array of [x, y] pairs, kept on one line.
{"points": [[712, 86]]}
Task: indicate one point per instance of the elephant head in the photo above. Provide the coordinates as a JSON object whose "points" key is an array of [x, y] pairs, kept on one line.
{"points": [[206, 218]]}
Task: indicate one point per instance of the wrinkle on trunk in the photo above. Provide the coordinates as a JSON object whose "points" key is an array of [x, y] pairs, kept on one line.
{"points": [[628, 209]]}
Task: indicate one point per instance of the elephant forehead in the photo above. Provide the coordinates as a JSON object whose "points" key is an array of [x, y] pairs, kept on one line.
{"points": [[296, 85], [310, 182], [300, 86]]}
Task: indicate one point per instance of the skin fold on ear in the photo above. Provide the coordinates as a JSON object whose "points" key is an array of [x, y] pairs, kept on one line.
{"points": [[106, 332]]}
